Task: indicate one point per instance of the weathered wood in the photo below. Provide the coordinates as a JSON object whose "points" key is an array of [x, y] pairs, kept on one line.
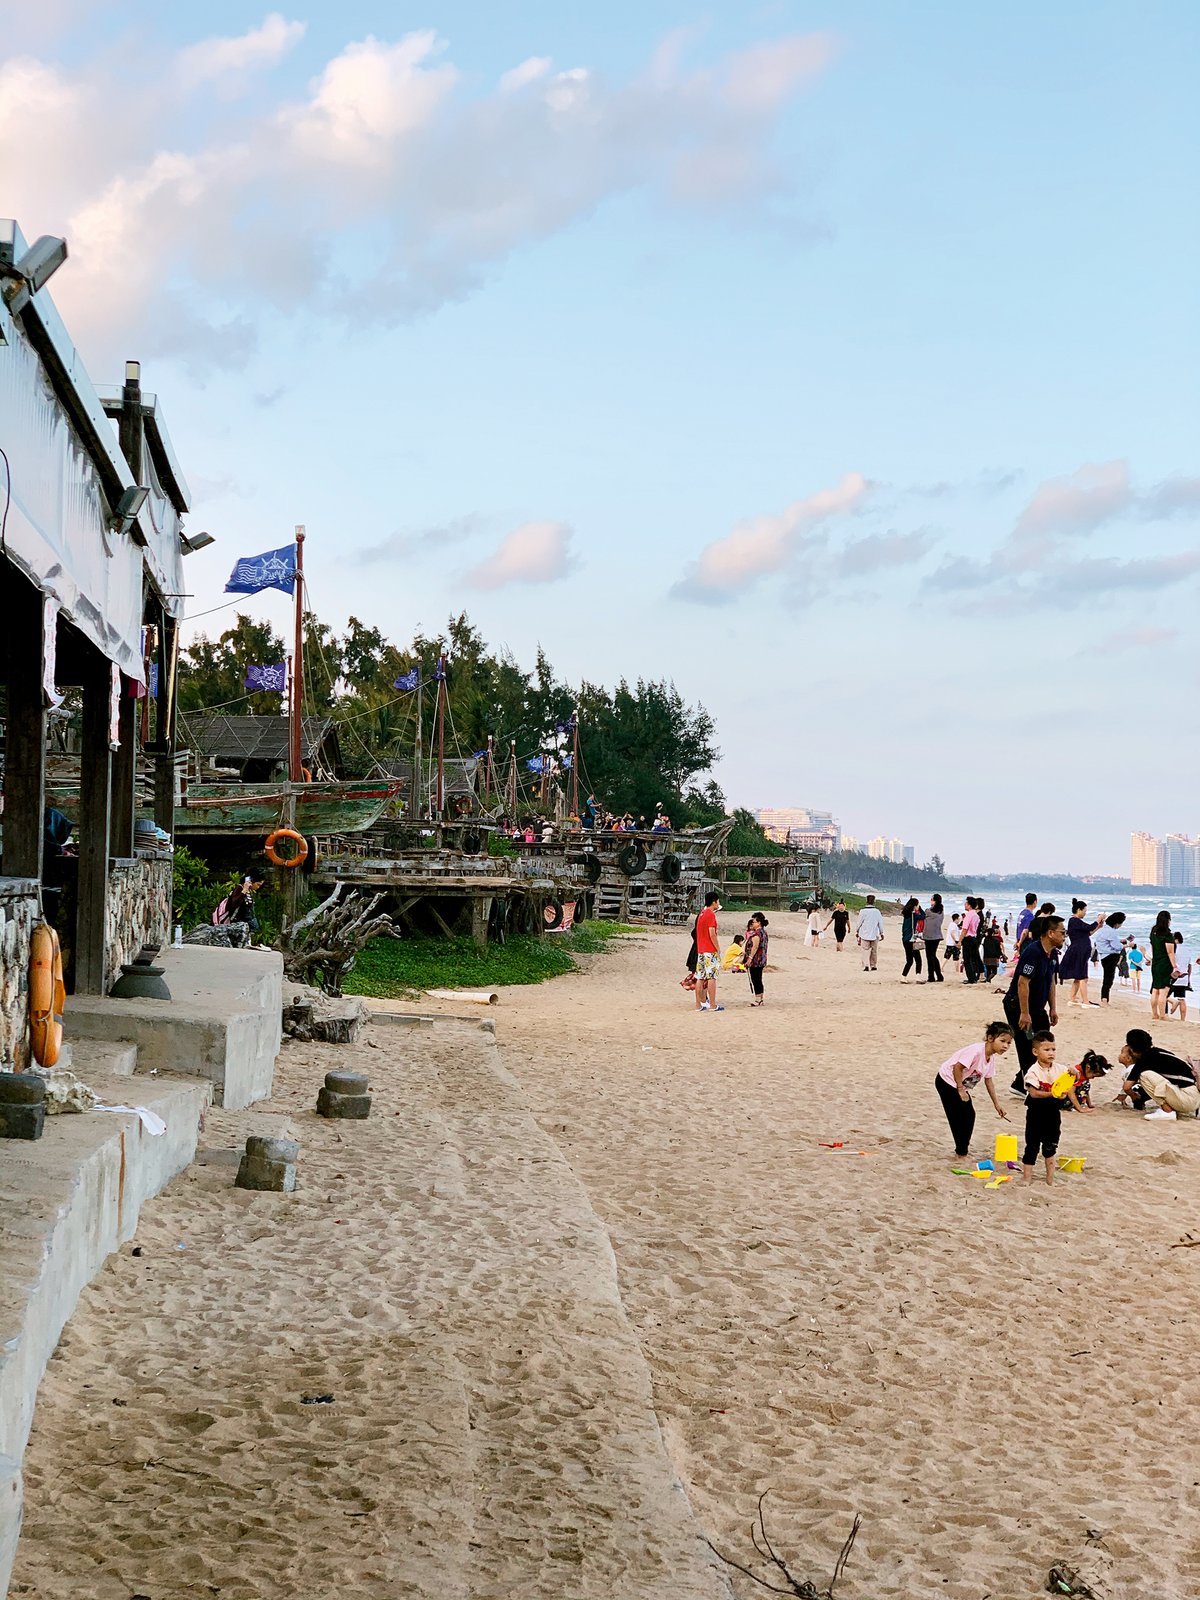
{"points": [[95, 803], [124, 781], [440, 920], [25, 764], [481, 911]]}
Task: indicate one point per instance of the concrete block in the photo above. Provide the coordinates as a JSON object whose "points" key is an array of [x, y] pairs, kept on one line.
{"points": [[346, 1082], [353, 1106], [255, 1172], [27, 1088], [28, 1121], [263, 1148]]}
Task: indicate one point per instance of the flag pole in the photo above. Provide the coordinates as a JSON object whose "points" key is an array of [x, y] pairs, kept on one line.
{"points": [[441, 739], [295, 748], [420, 797], [575, 763]]}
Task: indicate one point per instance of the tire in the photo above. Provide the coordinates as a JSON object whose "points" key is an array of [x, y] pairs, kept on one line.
{"points": [[310, 861], [672, 869], [552, 914], [472, 844], [593, 868], [632, 860]]}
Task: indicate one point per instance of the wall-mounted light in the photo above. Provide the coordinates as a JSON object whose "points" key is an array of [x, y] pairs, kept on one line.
{"points": [[127, 508], [189, 543], [33, 271]]}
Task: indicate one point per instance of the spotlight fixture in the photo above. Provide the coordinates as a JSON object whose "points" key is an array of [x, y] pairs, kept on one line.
{"points": [[189, 543], [127, 508], [33, 271]]}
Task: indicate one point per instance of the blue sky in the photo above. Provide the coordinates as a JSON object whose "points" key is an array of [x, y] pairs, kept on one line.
{"points": [[838, 362]]}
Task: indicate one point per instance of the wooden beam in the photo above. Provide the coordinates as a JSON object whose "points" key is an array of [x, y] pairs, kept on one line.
{"points": [[25, 766], [95, 809], [440, 920], [124, 780], [481, 910]]}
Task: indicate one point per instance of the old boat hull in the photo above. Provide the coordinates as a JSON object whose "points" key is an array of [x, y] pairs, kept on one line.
{"points": [[259, 808]]}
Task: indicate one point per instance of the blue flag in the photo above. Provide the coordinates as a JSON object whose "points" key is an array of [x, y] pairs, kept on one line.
{"points": [[274, 569], [408, 680], [534, 763], [154, 680], [440, 674], [271, 679]]}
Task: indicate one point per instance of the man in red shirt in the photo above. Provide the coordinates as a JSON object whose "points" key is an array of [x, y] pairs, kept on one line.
{"points": [[708, 955]]}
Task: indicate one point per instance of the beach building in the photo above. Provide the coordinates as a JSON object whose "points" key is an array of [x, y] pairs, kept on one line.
{"points": [[801, 827]]}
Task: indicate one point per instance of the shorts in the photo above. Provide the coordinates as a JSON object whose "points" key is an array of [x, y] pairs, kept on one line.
{"points": [[1180, 990], [707, 966]]}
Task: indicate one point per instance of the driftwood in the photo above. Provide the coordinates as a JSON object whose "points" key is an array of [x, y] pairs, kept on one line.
{"points": [[802, 1588], [321, 948]]}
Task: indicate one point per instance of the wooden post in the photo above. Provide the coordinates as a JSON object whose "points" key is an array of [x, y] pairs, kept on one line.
{"points": [[164, 727], [295, 752], [481, 910], [25, 768], [95, 809], [124, 780]]}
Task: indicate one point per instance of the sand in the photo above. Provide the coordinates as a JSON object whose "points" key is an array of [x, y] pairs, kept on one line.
{"points": [[984, 1375]]}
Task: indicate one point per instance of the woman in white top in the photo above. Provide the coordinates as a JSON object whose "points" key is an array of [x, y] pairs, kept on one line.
{"points": [[814, 927], [975, 1063]]}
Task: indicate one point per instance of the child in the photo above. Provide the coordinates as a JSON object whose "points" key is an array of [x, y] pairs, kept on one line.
{"points": [[953, 939], [1137, 960], [1086, 1072], [732, 961], [1043, 1113], [993, 950]]}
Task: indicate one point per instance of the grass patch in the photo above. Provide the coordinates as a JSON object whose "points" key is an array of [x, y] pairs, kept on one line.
{"points": [[389, 968]]}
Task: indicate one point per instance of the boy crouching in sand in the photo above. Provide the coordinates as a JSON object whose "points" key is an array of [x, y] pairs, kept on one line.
{"points": [[1043, 1113]]}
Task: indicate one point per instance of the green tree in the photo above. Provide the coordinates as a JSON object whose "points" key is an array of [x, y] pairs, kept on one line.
{"points": [[212, 672]]}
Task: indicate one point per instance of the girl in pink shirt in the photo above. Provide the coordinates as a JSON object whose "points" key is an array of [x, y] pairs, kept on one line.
{"points": [[975, 1063]]}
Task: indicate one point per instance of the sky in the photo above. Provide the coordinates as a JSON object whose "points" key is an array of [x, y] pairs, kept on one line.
{"points": [[838, 362]]}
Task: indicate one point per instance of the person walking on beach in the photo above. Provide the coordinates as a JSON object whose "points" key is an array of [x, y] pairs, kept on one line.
{"points": [[708, 954], [814, 927], [840, 923], [1109, 944], [1155, 1074], [1043, 1112], [1181, 984], [954, 939], [934, 919], [1162, 965], [1074, 968], [972, 966], [754, 953], [1137, 960], [957, 1076], [1031, 1003], [869, 933], [913, 919], [1025, 919]]}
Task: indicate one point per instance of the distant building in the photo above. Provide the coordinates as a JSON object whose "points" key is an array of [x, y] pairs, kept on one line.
{"points": [[848, 844], [878, 849], [1170, 863], [800, 826]]}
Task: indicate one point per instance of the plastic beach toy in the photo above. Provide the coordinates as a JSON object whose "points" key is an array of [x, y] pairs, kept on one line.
{"points": [[1062, 1085], [1071, 1163], [1006, 1147], [984, 1166], [1001, 1177]]}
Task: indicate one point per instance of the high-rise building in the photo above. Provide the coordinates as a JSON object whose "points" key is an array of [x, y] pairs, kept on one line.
{"points": [[849, 843], [1147, 859], [878, 848], [1179, 861], [800, 826]]}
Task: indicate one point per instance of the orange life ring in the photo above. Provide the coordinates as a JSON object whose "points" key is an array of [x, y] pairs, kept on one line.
{"points": [[273, 855], [47, 995], [306, 774]]}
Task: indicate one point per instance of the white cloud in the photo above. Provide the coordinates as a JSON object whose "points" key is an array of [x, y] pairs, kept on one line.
{"points": [[536, 552], [228, 62], [389, 188], [1078, 503], [764, 544]]}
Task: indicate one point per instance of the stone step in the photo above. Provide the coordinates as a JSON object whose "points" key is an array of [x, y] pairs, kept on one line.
{"points": [[89, 1058]]}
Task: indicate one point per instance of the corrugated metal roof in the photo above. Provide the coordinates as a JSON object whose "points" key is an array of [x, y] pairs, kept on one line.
{"points": [[223, 738]]}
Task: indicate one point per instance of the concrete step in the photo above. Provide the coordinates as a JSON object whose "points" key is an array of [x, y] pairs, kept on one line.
{"points": [[89, 1058]]}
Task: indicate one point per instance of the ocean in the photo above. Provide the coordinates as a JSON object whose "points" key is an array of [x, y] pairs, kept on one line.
{"points": [[1140, 911]]}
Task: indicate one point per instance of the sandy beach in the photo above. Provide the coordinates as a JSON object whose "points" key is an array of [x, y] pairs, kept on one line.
{"points": [[984, 1375]]}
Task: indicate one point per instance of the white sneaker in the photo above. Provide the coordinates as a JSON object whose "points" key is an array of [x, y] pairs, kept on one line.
{"points": [[704, 1006], [1161, 1115]]}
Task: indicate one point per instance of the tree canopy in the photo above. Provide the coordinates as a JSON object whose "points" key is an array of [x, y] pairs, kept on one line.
{"points": [[640, 744]]}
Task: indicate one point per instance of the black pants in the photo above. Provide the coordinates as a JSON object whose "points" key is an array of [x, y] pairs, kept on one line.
{"points": [[972, 966], [960, 1114], [1038, 1021], [932, 962], [1110, 965], [1043, 1128], [911, 955], [756, 983]]}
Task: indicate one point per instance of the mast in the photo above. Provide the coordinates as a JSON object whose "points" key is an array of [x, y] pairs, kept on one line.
{"points": [[420, 797], [487, 772], [295, 753], [575, 763], [512, 778], [441, 738]]}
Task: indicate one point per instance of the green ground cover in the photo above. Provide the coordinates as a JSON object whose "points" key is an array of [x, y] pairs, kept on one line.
{"points": [[391, 968]]}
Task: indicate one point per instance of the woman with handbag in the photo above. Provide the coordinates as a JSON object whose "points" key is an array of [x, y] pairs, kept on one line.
{"points": [[911, 936], [934, 918]]}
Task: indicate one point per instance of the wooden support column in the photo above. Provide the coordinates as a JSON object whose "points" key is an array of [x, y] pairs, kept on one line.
{"points": [[481, 910], [124, 781], [164, 727], [95, 816], [25, 765]]}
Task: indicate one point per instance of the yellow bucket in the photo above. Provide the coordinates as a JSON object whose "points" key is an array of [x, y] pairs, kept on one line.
{"points": [[1006, 1147], [1071, 1163], [1063, 1085]]}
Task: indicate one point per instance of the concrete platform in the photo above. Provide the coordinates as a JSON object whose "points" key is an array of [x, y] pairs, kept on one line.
{"points": [[223, 1021], [67, 1201]]}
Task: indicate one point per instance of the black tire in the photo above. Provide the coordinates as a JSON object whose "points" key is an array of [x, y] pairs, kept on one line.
{"points": [[313, 856], [593, 868], [472, 844], [632, 860], [346, 1082], [672, 869], [552, 914]]}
